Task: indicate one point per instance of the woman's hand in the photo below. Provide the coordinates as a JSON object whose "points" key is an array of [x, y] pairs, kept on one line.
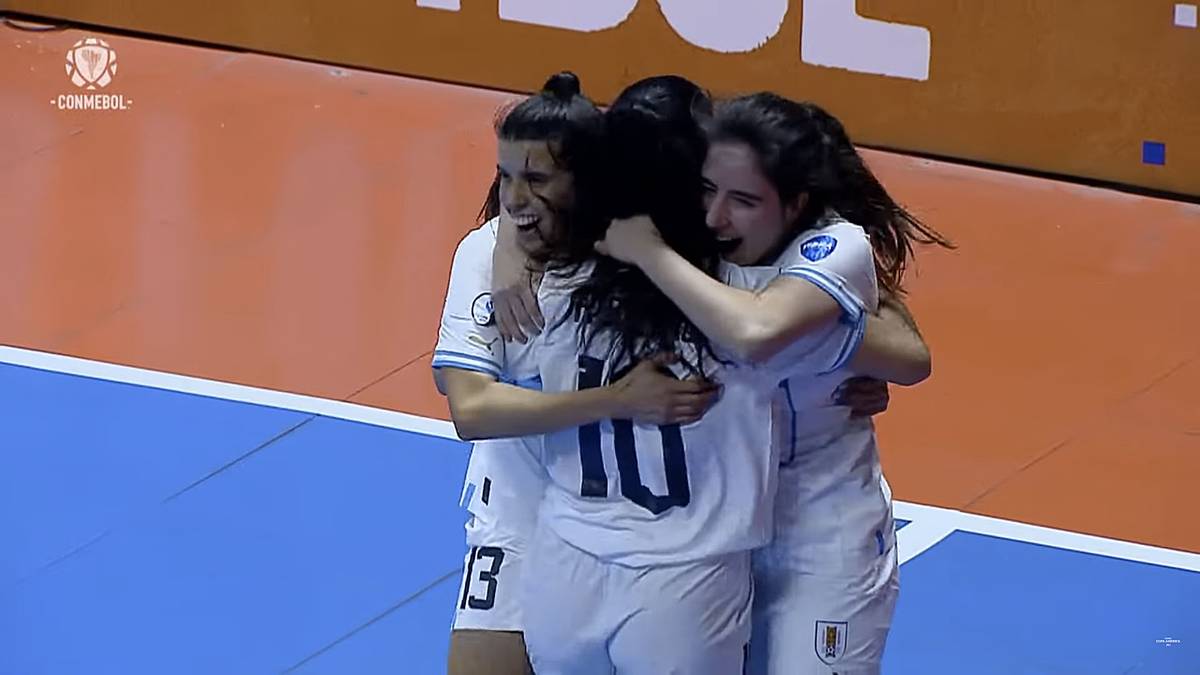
{"points": [[648, 395], [865, 396], [514, 289], [630, 239]]}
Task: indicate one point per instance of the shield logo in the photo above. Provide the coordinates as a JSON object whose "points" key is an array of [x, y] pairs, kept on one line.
{"points": [[831, 641], [91, 63]]}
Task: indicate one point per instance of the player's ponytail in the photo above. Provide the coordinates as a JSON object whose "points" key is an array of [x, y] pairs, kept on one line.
{"points": [[562, 86]]}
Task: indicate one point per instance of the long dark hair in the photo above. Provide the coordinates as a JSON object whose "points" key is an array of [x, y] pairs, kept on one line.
{"points": [[574, 127], [657, 148], [803, 149]]}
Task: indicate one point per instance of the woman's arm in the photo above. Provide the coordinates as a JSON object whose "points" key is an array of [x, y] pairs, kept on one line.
{"points": [[482, 407], [752, 325], [893, 348]]}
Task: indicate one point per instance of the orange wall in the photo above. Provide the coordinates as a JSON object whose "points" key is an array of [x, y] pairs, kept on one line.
{"points": [[1066, 87]]}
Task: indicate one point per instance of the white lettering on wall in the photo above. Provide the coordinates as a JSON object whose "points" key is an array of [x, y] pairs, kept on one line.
{"points": [[725, 26], [836, 36], [452, 5], [587, 16], [833, 33]]}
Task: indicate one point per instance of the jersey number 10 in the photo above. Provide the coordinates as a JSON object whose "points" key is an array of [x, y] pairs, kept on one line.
{"points": [[595, 478]]}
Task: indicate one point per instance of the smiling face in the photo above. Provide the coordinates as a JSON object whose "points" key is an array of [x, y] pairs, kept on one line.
{"points": [[534, 190], [743, 207]]}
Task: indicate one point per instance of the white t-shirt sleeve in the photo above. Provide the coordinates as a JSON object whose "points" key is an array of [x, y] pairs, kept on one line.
{"points": [[839, 260], [817, 352], [468, 337]]}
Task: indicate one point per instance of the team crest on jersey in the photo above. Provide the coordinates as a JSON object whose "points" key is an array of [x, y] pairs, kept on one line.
{"points": [[831, 641], [818, 248], [481, 310]]}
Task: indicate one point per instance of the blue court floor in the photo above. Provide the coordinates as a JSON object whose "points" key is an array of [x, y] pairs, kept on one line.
{"points": [[144, 530]]}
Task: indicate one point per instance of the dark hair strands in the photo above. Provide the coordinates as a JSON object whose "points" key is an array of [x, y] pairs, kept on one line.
{"points": [[803, 149], [573, 126], [657, 148]]}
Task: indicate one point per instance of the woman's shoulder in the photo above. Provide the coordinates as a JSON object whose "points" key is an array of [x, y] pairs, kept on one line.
{"points": [[831, 235]]}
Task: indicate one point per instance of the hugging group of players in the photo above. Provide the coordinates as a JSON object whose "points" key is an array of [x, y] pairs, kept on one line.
{"points": [[667, 339]]}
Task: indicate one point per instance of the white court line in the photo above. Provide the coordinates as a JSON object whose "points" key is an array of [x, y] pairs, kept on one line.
{"points": [[227, 391], [1045, 536], [1074, 541], [929, 524], [919, 536], [913, 512]]}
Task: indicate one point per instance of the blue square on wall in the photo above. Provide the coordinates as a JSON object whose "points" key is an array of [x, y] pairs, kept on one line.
{"points": [[1154, 152]]}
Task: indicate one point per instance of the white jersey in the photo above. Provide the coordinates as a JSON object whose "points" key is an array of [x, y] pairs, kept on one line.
{"points": [[646, 495], [836, 504], [505, 477], [837, 257]]}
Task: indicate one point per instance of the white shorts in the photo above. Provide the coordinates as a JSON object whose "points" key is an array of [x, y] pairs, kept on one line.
{"points": [[584, 616], [809, 623], [488, 597], [503, 487], [489, 594]]}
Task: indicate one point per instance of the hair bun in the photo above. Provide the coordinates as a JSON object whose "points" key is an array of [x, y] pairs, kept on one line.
{"points": [[562, 86]]}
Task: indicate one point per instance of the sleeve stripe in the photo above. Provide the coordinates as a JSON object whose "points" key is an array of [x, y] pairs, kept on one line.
{"points": [[830, 284], [787, 389], [449, 359], [446, 353], [853, 341], [465, 365]]}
